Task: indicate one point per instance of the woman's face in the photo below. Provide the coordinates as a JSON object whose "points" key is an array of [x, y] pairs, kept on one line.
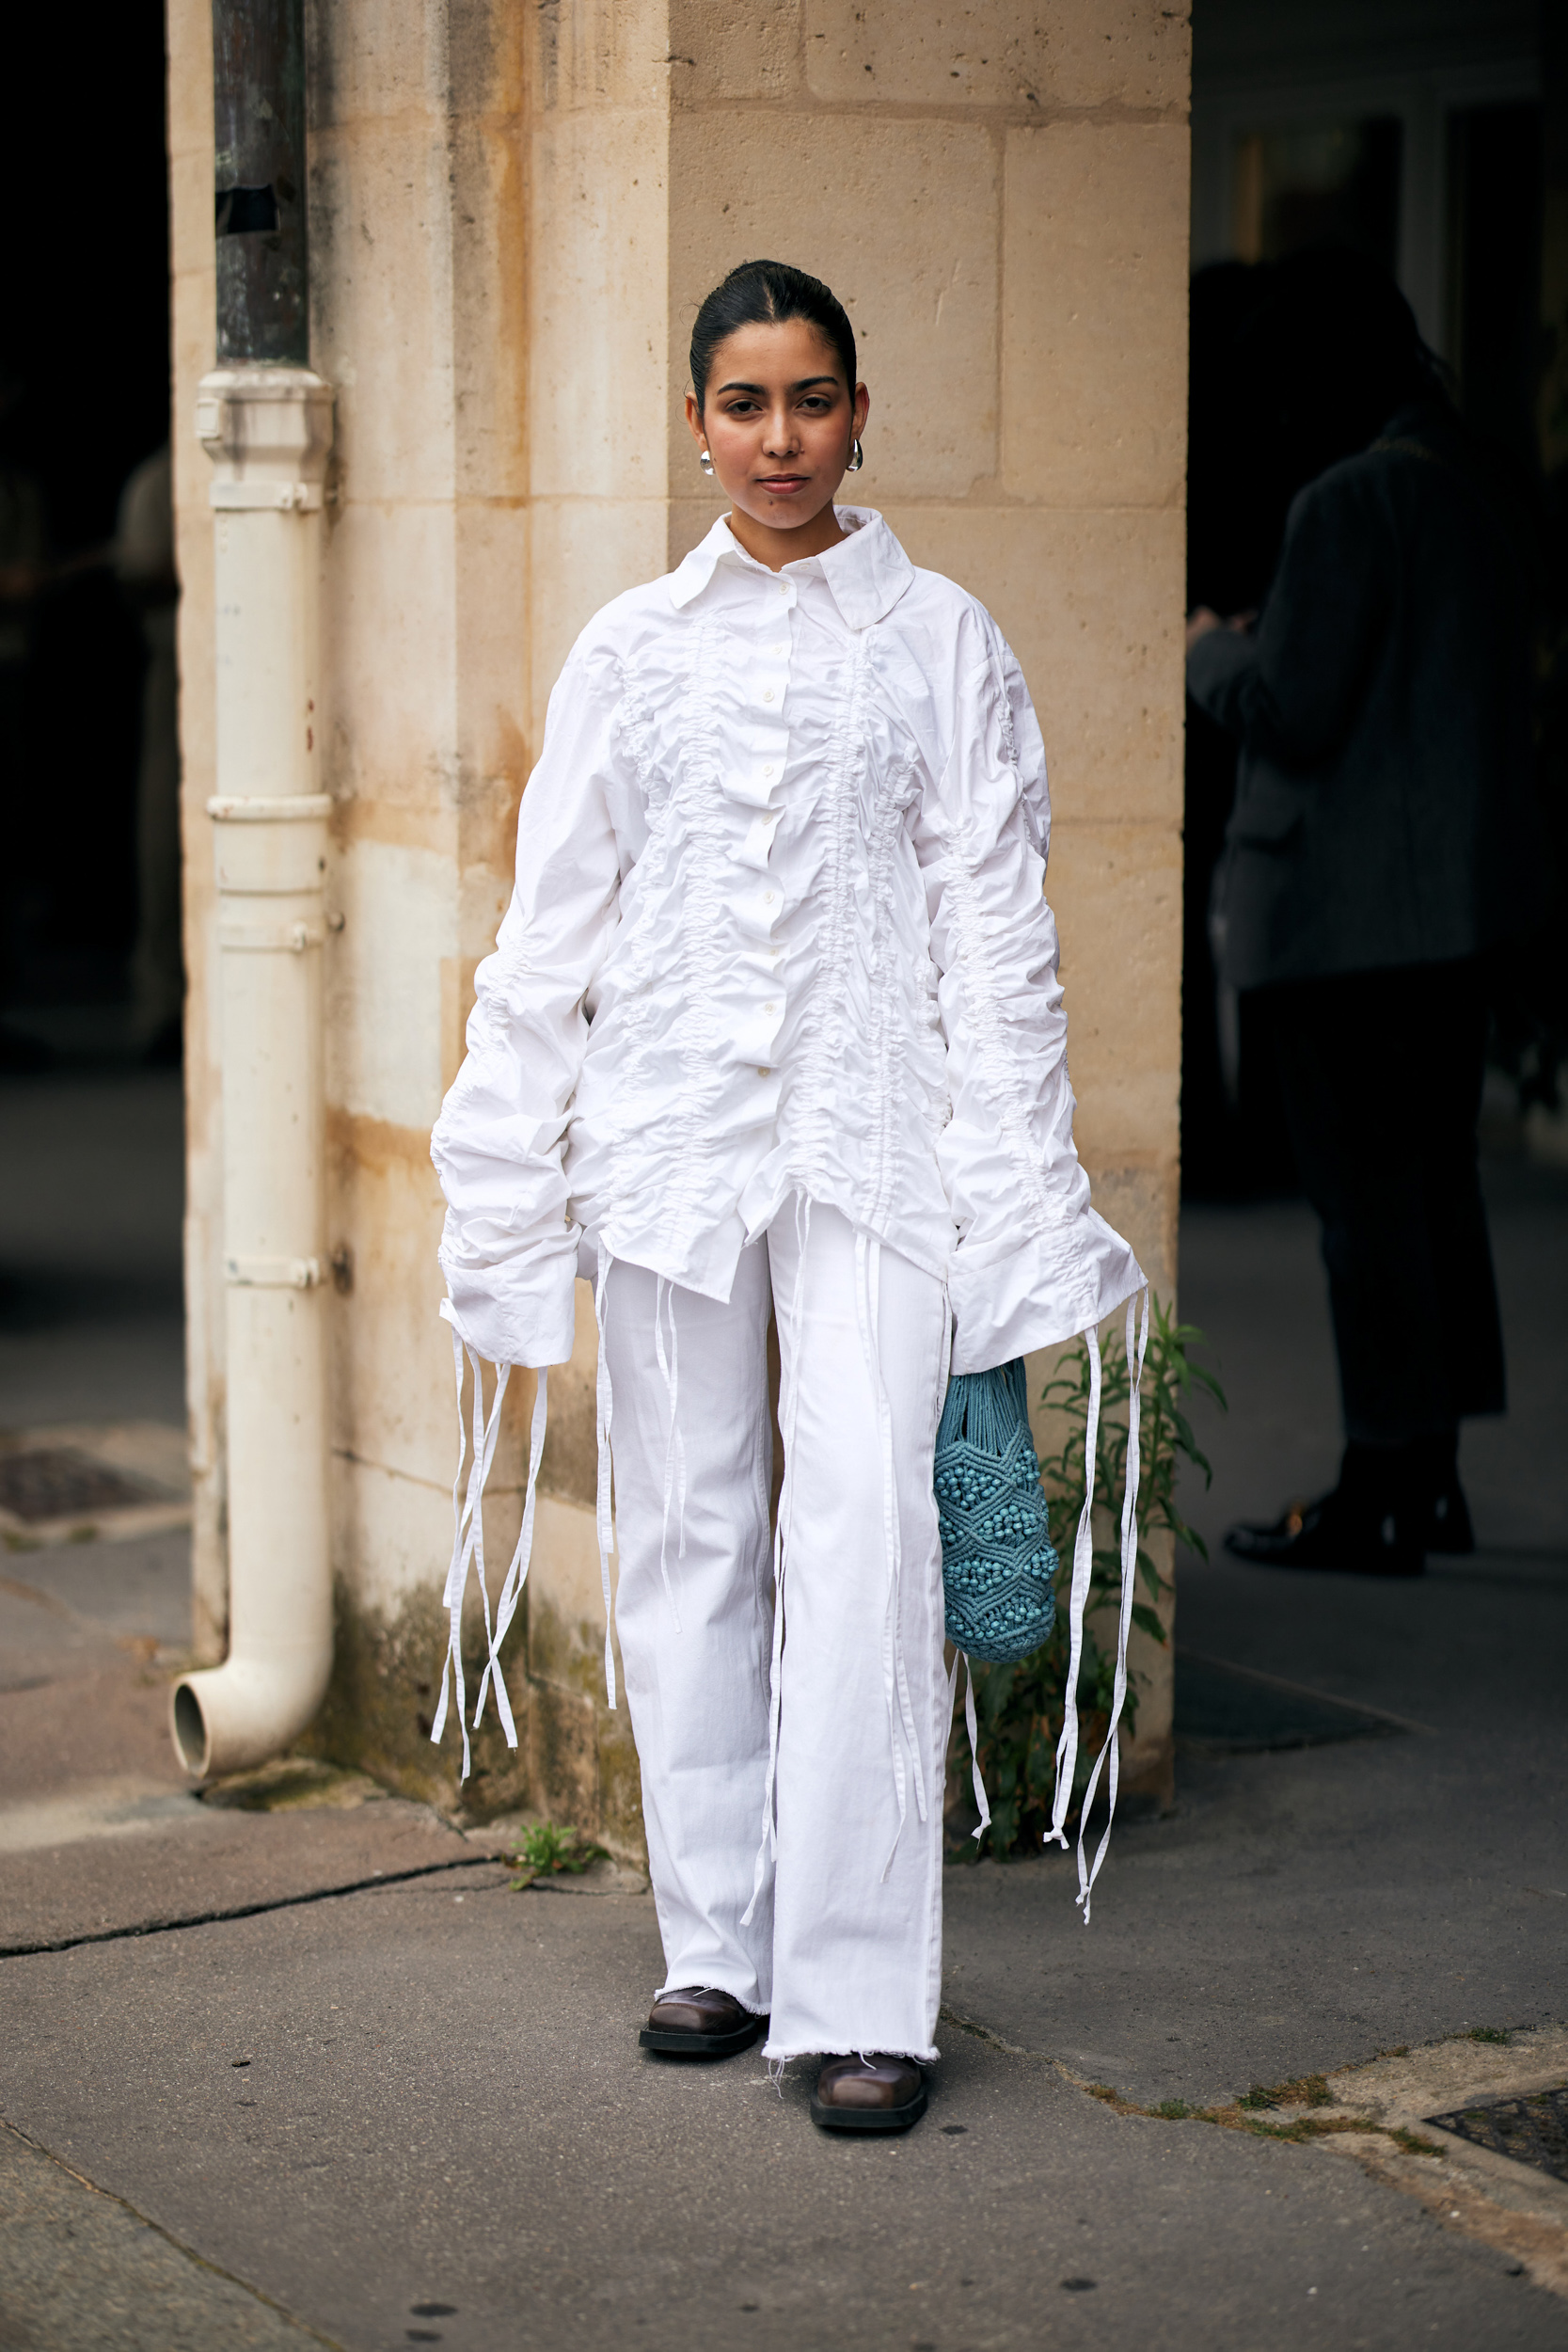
{"points": [[779, 421]]}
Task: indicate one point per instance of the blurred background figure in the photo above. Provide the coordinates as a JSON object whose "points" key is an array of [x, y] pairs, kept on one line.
{"points": [[144, 568], [1234, 1145], [1383, 848]]}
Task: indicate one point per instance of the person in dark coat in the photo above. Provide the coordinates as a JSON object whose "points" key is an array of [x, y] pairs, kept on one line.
{"points": [[1383, 843]]}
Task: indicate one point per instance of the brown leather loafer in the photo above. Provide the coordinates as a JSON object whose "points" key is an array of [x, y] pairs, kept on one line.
{"points": [[700, 2021], [868, 2094]]}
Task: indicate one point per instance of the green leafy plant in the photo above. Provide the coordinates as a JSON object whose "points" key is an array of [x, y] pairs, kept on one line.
{"points": [[547, 1847], [1021, 1706]]}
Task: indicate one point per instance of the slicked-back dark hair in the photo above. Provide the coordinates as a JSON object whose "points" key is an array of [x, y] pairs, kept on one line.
{"points": [[764, 294]]}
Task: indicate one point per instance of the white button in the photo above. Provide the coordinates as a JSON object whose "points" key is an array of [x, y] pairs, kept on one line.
{"points": [[772, 1008], [769, 896], [768, 769], [768, 694], [784, 587], [779, 649], [764, 1074]]}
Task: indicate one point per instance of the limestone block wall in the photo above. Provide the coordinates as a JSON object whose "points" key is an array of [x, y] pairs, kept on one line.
{"points": [[515, 216]]}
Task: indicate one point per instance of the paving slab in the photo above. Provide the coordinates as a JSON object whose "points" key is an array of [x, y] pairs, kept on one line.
{"points": [[1299, 1913], [139, 1587], [1303, 1910], [83, 2272], [41, 1641], [1481, 1641], [87, 1711], [119, 1859], [443, 2130]]}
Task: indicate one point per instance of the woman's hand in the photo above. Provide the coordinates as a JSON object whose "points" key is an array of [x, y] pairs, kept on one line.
{"points": [[1201, 619]]}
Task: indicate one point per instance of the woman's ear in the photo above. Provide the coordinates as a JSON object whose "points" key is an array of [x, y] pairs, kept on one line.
{"points": [[694, 420]]}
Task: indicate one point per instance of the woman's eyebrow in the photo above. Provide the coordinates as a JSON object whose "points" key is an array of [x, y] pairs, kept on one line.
{"points": [[804, 385]]}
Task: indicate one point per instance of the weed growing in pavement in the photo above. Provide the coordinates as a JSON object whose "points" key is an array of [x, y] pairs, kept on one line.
{"points": [[1309, 2088], [1413, 2145], [1303, 2090], [547, 1847]]}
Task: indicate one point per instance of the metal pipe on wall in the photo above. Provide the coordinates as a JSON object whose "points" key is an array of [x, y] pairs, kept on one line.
{"points": [[265, 421]]}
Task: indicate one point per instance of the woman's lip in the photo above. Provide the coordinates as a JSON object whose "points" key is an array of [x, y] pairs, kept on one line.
{"points": [[783, 484]]}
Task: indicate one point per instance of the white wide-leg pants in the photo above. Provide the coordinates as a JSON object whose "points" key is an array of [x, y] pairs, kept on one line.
{"points": [[844, 1943]]}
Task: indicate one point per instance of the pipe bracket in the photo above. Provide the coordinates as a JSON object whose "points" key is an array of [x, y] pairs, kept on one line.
{"points": [[273, 1274], [284, 497], [262, 939], [283, 808]]}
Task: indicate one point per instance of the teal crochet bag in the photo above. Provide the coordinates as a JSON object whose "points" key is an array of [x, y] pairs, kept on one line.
{"points": [[998, 1563]]}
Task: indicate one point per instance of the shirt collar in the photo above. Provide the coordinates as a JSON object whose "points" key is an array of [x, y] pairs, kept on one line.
{"points": [[867, 572]]}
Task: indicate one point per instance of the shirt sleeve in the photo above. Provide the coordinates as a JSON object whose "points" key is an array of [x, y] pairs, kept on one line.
{"points": [[1033, 1263], [509, 1248], [1292, 690]]}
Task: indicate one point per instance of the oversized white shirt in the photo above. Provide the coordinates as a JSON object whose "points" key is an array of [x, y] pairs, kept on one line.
{"points": [[779, 925]]}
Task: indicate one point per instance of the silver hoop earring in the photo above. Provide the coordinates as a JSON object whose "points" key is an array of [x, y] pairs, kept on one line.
{"points": [[857, 460], [705, 462]]}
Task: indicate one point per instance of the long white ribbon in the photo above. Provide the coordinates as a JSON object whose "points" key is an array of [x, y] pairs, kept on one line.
{"points": [[1129, 1586], [675, 1450], [517, 1574], [973, 1730], [789, 1404], [895, 1684], [1083, 1567], [604, 1400], [467, 1544]]}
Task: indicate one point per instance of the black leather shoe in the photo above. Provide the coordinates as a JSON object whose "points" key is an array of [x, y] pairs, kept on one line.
{"points": [[868, 2094], [700, 2021], [1329, 1533]]}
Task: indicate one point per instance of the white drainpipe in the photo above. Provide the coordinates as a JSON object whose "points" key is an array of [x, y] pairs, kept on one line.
{"points": [[267, 429]]}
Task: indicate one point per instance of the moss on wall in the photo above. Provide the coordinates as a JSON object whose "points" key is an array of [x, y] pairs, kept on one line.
{"points": [[575, 1761]]}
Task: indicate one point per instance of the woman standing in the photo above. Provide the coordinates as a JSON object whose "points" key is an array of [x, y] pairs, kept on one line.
{"points": [[773, 1027]]}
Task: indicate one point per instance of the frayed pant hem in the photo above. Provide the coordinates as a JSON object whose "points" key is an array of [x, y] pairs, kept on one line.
{"points": [[777, 2057]]}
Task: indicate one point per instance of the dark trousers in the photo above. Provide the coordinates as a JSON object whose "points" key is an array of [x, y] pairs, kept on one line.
{"points": [[1382, 1074]]}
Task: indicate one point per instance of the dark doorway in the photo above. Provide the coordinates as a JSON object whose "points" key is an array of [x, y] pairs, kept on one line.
{"points": [[85, 370]]}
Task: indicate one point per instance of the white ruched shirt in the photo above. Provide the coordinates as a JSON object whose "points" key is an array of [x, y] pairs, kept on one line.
{"points": [[779, 927]]}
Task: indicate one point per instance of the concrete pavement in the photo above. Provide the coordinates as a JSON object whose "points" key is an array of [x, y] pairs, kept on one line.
{"points": [[444, 2104], [385, 2109]]}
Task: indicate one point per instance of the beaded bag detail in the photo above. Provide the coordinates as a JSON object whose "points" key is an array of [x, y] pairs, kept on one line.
{"points": [[998, 1563]]}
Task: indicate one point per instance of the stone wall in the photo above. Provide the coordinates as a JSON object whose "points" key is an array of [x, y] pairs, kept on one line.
{"points": [[515, 216]]}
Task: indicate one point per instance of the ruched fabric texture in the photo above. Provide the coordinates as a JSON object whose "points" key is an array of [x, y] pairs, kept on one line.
{"points": [[779, 927]]}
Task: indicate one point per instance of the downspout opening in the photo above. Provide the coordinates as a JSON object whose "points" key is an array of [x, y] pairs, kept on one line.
{"points": [[190, 1731]]}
